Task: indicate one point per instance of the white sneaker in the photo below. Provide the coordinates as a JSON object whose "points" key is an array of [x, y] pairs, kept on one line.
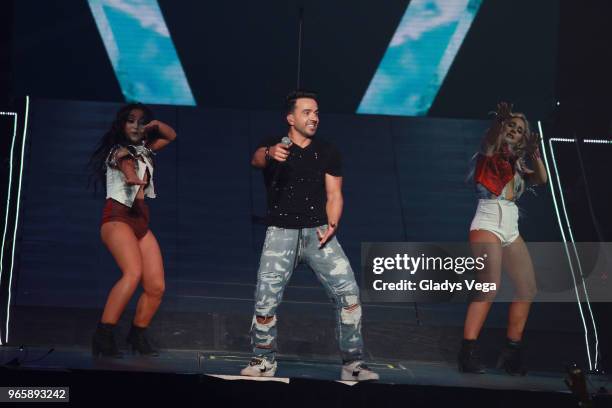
{"points": [[259, 367], [358, 371]]}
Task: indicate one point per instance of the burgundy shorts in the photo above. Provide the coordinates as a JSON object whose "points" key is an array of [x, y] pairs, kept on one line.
{"points": [[136, 217]]}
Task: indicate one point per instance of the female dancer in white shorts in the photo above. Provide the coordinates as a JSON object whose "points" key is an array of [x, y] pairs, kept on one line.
{"points": [[500, 177]]}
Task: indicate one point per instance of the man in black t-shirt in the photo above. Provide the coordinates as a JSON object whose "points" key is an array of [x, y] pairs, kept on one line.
{"points": [[303, 176], [296, 186]]}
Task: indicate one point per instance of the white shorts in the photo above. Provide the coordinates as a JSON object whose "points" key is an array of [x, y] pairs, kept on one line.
{"points": [[499, 217]]}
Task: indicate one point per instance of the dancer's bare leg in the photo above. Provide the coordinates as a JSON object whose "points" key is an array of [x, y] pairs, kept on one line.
{"points": [[482, 242], [518, 265], [123, 245], [152, 280]]}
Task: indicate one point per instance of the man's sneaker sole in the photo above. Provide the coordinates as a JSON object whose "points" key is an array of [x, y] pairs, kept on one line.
{"points": [[269, 373], [352, 377], [251, 372]]}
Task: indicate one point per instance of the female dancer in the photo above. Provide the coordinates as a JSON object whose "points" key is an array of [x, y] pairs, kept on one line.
{"points": [[124, 159], [500, 177]]}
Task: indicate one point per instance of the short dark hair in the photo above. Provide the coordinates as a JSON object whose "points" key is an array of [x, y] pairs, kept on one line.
{"points": [[295, 95]]}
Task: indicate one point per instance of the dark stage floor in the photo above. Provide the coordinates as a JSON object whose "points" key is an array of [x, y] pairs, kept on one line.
{"points": [[307, 331], [204, 373], [228, 365]]}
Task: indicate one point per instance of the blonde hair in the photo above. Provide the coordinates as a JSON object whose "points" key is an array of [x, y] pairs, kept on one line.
{"points": [[525, 146]]}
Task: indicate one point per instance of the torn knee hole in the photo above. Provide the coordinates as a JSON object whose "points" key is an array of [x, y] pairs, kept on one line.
{"points": [[265, 319], [351, 314], [351, 307]]}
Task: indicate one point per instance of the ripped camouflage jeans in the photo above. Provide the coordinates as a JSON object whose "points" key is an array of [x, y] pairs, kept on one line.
{"points": [[283, 250]]}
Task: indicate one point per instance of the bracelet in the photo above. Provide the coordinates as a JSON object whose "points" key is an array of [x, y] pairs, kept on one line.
{"points": [[267, 153]]}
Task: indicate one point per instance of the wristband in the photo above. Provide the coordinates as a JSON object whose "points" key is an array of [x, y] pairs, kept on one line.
{"points": [[267, 153]]}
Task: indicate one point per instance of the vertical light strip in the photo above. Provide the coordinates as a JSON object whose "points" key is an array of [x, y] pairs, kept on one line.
{"points": [[8, 198], [140, 48], [23, 143], [569, 259], [418, 57], [569, 228]]}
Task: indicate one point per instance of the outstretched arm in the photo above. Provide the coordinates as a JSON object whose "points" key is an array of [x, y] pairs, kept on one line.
{"points": [[492, 140], [278, 152]]}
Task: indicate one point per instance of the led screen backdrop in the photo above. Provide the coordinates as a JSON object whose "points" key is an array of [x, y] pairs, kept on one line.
{"points": [[243, 55], [141, 51], [419, 56]]}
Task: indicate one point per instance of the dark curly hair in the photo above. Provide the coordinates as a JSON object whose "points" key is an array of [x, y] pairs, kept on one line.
{"points": [[114, 136]]}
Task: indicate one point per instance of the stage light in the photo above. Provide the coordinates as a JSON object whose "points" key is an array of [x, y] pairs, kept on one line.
{"points": [[16, 223], [592, 365], [561, 139], [597, 141], [8, 197], [571, 234]]}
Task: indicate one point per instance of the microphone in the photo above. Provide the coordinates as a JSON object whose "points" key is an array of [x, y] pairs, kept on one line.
{"points": [[287, 142]]}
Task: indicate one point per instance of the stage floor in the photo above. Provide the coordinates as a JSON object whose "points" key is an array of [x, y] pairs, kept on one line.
{"points": [[228, 365]]}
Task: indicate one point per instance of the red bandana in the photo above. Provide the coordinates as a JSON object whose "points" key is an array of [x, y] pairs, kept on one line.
{"points": [[495, 171]]}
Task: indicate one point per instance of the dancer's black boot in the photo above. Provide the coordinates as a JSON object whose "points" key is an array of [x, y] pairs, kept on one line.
{"points": [[137, 339], [469, 359], [511, 358], [103, 342]]}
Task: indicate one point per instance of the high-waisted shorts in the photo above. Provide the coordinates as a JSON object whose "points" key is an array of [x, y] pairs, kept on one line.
{"points": [[499, 217], [137, 217]]}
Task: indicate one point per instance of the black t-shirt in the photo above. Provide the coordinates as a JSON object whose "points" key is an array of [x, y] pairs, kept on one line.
{"points": [[296, 187]]}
